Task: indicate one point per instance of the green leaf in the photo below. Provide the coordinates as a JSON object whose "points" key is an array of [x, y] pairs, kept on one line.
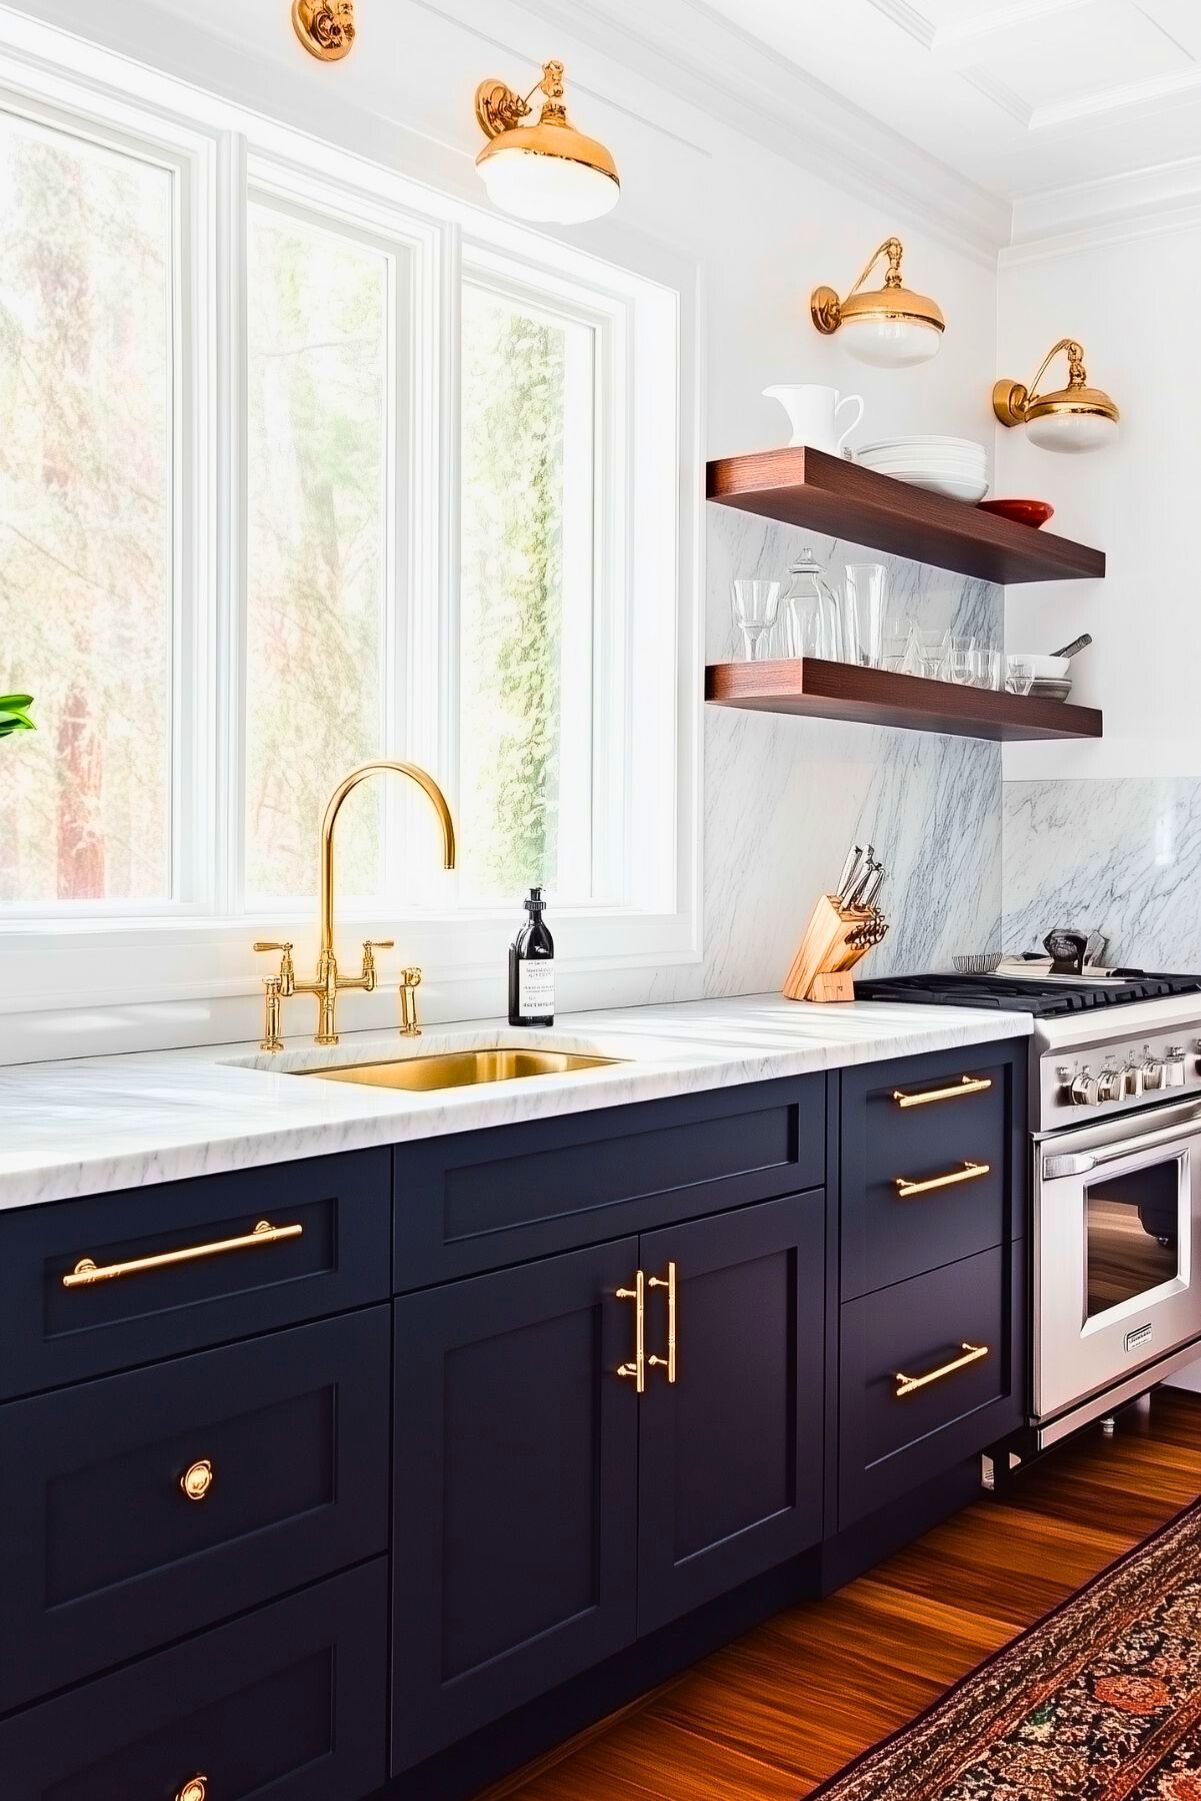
{"points": [[15, 703]]}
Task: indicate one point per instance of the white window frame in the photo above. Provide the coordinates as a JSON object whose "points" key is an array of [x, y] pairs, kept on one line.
{"points": [[197, 950]]}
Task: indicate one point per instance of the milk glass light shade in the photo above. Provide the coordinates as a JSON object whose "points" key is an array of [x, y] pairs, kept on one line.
{"points": [[1070, 420], [890, 327], [548, 173]]}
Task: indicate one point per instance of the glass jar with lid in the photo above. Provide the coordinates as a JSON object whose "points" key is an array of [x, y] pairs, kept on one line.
{"points": [[810, 623]]}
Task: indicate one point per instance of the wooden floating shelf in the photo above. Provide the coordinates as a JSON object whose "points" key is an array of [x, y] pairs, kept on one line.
{"points": [[822, 690], [838, 498]]}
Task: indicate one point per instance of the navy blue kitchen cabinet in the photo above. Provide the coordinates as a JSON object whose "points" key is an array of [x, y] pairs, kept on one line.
{"points": [[516, 1452], [729, 1465], [549, 1512], [384, 1497]]}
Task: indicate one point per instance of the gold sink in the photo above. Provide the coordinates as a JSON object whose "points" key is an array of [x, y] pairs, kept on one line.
{"points": [[461, 1069]]}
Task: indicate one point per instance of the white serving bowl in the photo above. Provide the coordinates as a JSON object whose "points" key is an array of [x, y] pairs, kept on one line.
{"points": [[926, 443]]}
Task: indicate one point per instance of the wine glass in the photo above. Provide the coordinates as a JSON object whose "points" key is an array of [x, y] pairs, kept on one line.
{"points": [[755, 605]]}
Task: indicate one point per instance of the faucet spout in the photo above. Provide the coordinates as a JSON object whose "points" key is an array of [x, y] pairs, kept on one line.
{"points": [[437, 799]]}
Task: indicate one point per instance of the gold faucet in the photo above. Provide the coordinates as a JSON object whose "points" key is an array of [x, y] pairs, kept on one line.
{"points": [[327, 983]]}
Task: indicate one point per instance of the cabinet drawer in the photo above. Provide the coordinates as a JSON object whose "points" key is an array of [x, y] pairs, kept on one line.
{"points": [[103, 1555], [954, 1152], [287, 1702], [487, 1199], [890, 1441], [194, 1271]]}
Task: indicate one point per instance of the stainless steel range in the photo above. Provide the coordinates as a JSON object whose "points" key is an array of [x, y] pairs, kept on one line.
{"points": [[1115, 1117]]}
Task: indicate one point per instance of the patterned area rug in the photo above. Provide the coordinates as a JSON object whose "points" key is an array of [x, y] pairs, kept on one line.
{"points": [[1100, 1700]]}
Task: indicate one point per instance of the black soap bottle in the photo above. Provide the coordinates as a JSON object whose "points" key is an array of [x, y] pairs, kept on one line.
{"points": [[532, 969]]}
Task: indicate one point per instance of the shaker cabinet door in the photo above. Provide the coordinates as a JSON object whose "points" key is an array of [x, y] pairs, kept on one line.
{"points": [[730, 1454], [515, 1485]]}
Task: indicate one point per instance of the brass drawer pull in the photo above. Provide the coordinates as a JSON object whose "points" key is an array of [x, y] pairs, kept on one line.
{"points": [[197, 1480], [969, 1173], [86, 1272], [637, 1369], [669, 1283], [965, 1085], [196, 1790], [908, 1385]]}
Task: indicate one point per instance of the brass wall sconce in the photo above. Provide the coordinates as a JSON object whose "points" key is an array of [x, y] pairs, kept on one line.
{"points": [[325, 27], [549, 172], [890, 327], [1071, 419]]}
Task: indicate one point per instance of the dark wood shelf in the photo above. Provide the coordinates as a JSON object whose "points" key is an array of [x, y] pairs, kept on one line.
{"points": [[822, 690], [836, 497]]}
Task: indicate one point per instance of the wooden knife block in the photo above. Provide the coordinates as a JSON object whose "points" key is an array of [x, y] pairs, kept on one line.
{"points": [[821, 969]]}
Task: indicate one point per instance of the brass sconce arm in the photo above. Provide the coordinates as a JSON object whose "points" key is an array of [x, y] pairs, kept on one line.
{"points": [[324, 27], [498, 108], [825, 305], [1015, 404]]}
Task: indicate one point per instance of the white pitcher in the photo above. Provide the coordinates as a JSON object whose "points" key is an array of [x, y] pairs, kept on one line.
{"points": [[813, 413]]}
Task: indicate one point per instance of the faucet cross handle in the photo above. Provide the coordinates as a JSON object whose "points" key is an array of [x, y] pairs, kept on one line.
{"points": [[370, 946]]}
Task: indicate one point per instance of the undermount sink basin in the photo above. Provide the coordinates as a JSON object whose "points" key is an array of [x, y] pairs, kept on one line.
{"points": [[461, 1069]]}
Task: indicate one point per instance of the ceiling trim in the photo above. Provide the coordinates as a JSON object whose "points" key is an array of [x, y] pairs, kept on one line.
{"points": [[1143, 203], [732, 76]]}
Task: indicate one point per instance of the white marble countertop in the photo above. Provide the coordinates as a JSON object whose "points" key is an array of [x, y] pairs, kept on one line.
{"points": [[105, 1123]]}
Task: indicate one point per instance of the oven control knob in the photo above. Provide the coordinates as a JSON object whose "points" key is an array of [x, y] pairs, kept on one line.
{"points": [[1153, 1071], [1134, 1080], [1175, 1074], [1111, 1084], [1085, 1089]]}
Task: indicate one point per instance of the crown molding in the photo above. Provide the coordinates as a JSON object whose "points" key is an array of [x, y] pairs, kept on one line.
{"points": [[697, 56], [1143, 203]]}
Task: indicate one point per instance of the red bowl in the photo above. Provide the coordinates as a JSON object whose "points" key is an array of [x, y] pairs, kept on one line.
{"points": [[1024, 512]]}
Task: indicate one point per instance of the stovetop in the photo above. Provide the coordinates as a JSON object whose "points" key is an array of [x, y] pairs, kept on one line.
{"points": [[1045, 998]]}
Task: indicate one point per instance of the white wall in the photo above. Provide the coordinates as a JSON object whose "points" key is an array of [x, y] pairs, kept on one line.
{"points": [[760, 228], [1131, 302]]}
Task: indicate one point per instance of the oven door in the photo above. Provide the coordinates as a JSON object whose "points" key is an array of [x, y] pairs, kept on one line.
{"points": [[1117, 1259]]}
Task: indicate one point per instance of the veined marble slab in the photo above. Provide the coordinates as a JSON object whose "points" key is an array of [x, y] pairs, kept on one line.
{"points": [[1119, 855], [107, 1123], [785, 798]]}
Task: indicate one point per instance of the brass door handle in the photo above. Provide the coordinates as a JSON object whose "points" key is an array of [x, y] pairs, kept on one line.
{"points": [[636, 1371], [195, 1790], [970, 1172], [965, 1085], [908, 1385], [197, 1479], [669, 1283], [86, 1272]]}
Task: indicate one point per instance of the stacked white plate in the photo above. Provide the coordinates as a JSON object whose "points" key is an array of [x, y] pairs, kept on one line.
{"points": [[957, 467]]}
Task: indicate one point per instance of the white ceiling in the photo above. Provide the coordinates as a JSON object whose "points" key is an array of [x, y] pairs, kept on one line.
{"points": [[1021, 97]]}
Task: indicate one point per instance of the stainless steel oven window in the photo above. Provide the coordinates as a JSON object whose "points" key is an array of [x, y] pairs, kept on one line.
{"points": [[1132, 1234]]}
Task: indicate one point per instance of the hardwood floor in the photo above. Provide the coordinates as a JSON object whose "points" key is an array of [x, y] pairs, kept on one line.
{"points": [[775, 1713]]}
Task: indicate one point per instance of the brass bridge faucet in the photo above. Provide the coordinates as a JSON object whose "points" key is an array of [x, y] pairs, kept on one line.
{"points": [[328, 982]]}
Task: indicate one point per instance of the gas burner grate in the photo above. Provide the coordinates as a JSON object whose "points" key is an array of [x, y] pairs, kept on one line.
{"points": [[1046, 1000]]}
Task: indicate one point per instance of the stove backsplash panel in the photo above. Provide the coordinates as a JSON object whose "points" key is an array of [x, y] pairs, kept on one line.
{"points": [[1120, 855], [784, 798]]}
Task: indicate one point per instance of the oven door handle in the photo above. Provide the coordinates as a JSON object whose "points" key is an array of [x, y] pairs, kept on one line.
{"points": [[1079, 1163]]}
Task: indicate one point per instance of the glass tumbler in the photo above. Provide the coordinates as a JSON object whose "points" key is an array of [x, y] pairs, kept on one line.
{"points": [[755, 605], [961, 662], [1019, 675], [863, 614]]}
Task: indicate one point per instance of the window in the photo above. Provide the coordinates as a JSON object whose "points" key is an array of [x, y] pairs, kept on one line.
{"points": [[527, 597], [302, 468], [86, 517]]}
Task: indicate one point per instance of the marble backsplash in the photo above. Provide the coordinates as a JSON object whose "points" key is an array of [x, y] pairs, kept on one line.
{"points": [[1119, 855], [786, 797]]}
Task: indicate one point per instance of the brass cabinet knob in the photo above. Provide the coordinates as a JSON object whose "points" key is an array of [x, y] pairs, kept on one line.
{"points": [[195, 1790], [195, 1483]]}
